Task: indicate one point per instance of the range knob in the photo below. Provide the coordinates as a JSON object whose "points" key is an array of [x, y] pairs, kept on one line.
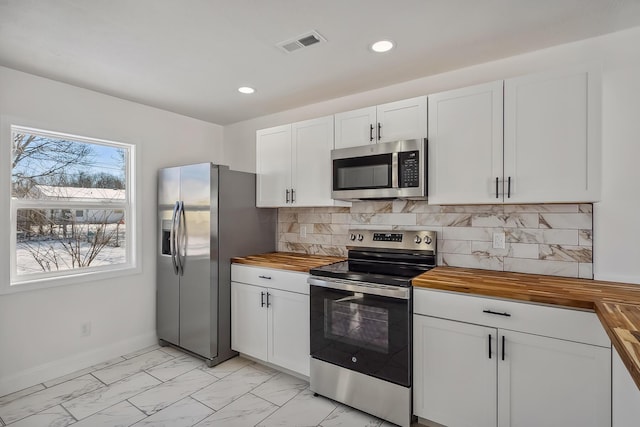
{"points": [[352, 237], [417, 239], [360, 237], [427, 240]]}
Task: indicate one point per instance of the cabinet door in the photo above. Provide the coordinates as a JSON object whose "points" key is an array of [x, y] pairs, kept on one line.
{"points": [[273, 166], [465, 145], [454, 372], [249, 320], [625, 395], [405, 119], [550, 382], [355, 128], [289, 330], [312, 145], [552, 137]]}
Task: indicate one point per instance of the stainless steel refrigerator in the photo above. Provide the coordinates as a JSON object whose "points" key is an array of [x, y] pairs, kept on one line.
{"points": [[206, 216]]}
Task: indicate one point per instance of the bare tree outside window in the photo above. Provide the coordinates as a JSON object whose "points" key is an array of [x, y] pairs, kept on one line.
{"points": [[70, 201]]}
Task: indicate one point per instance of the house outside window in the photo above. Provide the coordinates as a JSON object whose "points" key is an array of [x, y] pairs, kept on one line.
{"points": [[71, 207]]}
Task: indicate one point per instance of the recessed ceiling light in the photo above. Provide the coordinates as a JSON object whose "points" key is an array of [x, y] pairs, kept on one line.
{"points": [[382, 46], [246, 89]]}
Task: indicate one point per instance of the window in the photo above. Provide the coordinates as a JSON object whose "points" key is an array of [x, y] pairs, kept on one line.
{"points": [[71, 206]]}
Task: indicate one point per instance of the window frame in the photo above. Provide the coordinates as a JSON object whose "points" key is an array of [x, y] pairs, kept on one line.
{"points": [[48, 279]]}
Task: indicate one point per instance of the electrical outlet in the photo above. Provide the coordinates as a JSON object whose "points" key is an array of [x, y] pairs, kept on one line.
{"points": [[498, 240], [303, 231], [85, 329]]}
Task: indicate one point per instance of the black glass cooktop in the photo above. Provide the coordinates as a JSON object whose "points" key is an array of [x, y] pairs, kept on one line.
{"points": [[389, 268]]}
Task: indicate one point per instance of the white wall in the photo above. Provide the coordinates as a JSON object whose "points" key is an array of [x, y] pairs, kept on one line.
{"points": [[40, 330], [617, 218]]}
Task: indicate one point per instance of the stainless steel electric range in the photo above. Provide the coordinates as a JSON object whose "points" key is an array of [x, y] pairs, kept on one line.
{"points": [[361, 328]]}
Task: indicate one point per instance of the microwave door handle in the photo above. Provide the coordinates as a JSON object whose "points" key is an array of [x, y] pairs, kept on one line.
{"points": [[395, 171]]}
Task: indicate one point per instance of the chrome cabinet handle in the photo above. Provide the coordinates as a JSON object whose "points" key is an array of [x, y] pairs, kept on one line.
{"points": [[509, 188], [261, 299], [503, 341], [379, 131], [293, 195], [370, 132], [489, 346], [287, 200], [496, 187], [269, 304]]}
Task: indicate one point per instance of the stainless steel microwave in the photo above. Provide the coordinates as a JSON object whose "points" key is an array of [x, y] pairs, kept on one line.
{"points": [[392, 170]]}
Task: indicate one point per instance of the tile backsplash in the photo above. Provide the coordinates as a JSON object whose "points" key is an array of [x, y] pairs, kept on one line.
{"points": [[552, 239]]}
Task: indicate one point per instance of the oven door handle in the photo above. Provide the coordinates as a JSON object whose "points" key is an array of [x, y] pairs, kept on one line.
{"points": [[395, 292]]}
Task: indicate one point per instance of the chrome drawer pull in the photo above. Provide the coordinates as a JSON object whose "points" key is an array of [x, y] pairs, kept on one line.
{"points": [[264, 277]]}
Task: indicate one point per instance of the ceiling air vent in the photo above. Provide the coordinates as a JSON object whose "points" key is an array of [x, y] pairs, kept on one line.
{"points": [[302, 41]]}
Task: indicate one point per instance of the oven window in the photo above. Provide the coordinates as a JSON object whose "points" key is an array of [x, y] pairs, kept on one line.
{"points": [[362, 172], [357, 324]]}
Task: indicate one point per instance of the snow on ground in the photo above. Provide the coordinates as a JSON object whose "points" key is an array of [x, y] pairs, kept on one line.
{"points": [[52, 252]]}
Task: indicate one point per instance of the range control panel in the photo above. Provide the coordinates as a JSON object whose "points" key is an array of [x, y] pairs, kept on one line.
{"points": [[396, 239], [387, 237]]}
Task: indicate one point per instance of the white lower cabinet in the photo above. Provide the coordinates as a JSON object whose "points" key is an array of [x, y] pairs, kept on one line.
{"points": [[479, 373], [549, 382], [454, 379], [626, 395], [288, 334], [248, 320], [269, 321]]}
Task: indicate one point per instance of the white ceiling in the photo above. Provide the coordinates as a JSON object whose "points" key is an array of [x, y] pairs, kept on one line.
{"points": [[190, 56]]}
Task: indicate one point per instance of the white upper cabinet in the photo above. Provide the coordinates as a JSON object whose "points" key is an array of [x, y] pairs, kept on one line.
{"points": [[465, 145], [405, 119], [552, 137], [550, 150], [312, 142], [355, 128], [293, 164], [273, 166]]}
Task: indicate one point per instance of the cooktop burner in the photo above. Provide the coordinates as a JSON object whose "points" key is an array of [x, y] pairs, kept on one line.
{"points": [[384, 257]]}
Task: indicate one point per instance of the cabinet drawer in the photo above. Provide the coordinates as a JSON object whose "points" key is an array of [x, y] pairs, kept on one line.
{"points": [[549, 321], [270, 277]]}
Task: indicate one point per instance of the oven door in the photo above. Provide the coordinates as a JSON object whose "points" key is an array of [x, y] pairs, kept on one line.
{"points": [[363, 328]]}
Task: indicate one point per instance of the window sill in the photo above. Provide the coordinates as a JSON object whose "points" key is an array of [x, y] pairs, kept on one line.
{"points": [[71, 279]]}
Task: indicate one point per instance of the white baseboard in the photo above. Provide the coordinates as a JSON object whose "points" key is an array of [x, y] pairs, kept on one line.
{"points": [[76, 362]]}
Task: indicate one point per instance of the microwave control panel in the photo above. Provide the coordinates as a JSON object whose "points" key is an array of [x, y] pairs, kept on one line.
{"points": [[408, 169]]}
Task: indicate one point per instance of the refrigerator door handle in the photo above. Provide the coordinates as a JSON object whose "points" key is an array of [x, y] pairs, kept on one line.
{"points": [[172, 238], [181, 238]]}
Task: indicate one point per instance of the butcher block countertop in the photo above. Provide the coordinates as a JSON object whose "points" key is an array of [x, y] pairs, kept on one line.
{"points": [[287, 261], [616, 304]]}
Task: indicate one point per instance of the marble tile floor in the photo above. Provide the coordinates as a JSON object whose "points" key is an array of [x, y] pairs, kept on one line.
{"points": [[161, 386]]}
